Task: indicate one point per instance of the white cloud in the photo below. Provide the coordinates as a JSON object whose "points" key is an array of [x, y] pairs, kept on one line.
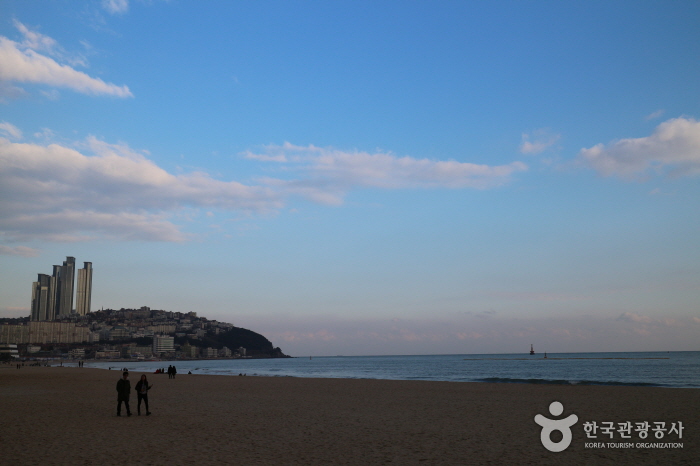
{"points": [[45, 133], [656, 114], [674, 147], [10, 130], [23, 62], [51, 94], [537, 142], [42, 43], [57, 193], [116, 6], [94, 189], [22, 251], [265, 157], [640, 319], [632, 317], [35, 40], [329, 173], [8, 91]]}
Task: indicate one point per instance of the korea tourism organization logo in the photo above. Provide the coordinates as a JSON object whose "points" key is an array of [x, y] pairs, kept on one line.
{"points": [[607, 430], [550, 425]]}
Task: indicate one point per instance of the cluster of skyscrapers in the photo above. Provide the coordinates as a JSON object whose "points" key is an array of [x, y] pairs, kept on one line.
{"points": [[52, 295]]}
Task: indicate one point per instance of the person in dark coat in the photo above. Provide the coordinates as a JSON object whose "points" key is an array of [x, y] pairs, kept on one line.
{"points": [[123, 393], [142, 388]]}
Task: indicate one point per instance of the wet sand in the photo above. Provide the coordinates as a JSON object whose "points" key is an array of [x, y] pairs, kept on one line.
{"points": [[60, 415]]}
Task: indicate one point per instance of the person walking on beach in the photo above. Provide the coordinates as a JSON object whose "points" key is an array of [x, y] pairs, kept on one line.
{"points": [[170, 371], [142, 388], [123, 392]]}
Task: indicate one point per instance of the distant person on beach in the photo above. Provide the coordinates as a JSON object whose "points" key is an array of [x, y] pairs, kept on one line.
{"points": [[123, 393], [142, 388], [170, 371], [174, 372]]}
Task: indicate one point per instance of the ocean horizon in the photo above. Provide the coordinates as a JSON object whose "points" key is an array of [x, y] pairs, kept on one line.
{"points": [[672, 369]]}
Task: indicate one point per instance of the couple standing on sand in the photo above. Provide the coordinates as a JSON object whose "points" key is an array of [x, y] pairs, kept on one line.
{"points": [[124, 392]]}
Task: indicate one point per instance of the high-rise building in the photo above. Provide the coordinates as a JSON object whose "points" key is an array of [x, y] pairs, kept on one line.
{"points": [[65, 279], [52, 296], [41, 298], [84, 295], [53, 292]]}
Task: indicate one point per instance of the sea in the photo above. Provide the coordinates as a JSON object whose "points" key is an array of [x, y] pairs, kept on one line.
{"points": [[675, 369]]}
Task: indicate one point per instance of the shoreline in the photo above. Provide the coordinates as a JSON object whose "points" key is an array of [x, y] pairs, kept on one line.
{"points": [[571, 371]]}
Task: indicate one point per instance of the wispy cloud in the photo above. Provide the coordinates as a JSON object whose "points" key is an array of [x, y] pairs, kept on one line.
{"points": [[39, 42], [116, 6], [31, 61], [640, 319], [673, 148], [95, 189], [9, 91], [22, 251], [655, 115], [10, 130], [329, 173], [538, 141]]}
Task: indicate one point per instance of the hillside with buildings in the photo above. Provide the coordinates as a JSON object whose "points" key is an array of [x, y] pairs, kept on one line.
{"points": [[55, 328], [134, 333]]}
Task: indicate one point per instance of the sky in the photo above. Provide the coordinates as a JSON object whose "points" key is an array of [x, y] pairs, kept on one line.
{"points": [[362, 177]]}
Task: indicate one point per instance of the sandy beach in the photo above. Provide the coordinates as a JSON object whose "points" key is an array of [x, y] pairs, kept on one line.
{"points": [[57, 415]]}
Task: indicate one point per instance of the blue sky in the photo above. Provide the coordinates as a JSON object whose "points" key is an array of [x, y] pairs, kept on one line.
{"points": [[362, 177]]}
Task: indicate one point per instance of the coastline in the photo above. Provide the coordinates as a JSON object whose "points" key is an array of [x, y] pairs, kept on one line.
{"points": [[67, 415], [645, 369]]}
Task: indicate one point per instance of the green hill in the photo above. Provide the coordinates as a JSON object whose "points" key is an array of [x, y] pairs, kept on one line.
{"points": [[234, 338]]}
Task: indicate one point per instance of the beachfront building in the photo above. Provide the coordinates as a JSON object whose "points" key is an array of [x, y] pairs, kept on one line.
{"points": [[108, 354], [84, 295], [119, 332], [77, 353], [210, 353], [43, 332], [189, 351], [8, 352], [57, 332], [163, 344], [146, 351], [14, 334]]}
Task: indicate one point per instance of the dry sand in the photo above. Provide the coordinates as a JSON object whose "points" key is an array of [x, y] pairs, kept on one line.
{"points": [[55, 415]]}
